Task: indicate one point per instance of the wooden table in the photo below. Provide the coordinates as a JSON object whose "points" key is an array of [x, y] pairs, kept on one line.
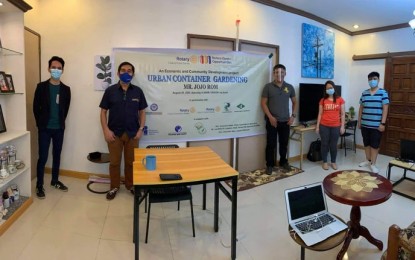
{"points": [[297, 135], [357, 188], [327, 244], [197, 165]]}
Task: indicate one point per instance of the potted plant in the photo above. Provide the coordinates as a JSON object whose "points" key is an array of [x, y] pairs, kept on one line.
{"points": [[351, 112], [105, 67]]}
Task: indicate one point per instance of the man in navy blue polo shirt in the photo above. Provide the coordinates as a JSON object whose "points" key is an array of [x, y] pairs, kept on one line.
{"points": [[124, 126]]}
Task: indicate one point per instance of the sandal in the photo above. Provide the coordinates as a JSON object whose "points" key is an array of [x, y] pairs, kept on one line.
{"points": [[325, 166], [334, 166]]}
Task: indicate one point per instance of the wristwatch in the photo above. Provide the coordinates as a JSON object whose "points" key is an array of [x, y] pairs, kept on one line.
{"points": [[383, 124], [293, 115], [141, 128]]}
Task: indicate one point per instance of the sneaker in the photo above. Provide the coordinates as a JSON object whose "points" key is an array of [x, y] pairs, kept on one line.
{"points": [[111, 194], [59, 185], [374, 169], [364, 164], [40, 192], [325, 166], [286, 167], [269, 170]]}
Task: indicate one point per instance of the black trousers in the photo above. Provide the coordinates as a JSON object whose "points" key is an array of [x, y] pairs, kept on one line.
{"points": [[282, 132]]}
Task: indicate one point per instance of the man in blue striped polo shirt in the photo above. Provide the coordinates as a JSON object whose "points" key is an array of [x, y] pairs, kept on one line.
{"points": [[373, 111]]}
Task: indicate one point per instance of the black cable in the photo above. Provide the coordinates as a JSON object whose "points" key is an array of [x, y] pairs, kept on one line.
{"points": [[91, 190]]}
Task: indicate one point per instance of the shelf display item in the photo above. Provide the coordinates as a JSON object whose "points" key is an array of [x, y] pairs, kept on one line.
{"points": [[11, 152], [3, 164]]}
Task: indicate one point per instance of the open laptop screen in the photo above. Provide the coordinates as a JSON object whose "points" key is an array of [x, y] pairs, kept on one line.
{"points": [[306, 202], [407, 150]]}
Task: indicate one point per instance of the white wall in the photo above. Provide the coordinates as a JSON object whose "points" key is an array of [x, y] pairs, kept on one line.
{"points": [[77, 30]]}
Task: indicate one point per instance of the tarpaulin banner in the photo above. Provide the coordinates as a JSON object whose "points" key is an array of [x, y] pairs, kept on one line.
{"points": [[199, 94]]}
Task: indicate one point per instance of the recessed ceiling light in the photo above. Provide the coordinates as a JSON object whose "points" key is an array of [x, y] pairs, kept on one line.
{"points": [[1, 4], [356, 26]]}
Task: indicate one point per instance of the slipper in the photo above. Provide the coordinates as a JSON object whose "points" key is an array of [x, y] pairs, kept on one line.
{"points": [[334, 166]]}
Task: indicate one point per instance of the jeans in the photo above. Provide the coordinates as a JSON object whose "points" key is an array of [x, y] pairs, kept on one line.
{"points": [[329, 138], [282, 131], [116, 148], [44, 138]]}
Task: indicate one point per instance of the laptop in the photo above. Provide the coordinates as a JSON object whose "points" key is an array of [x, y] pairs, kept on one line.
{"points": [[407, 153], [308, 214]]}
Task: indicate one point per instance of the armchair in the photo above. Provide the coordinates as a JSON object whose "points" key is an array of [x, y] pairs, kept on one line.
{"points": [[401, 243]]}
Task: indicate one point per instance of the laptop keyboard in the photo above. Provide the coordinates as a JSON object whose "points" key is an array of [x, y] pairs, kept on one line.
{"points": [[314, 223]]}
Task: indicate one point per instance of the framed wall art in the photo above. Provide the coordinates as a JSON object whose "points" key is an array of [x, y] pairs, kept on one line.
{"points": [[9, 82], [3, 82], [2, 123], [317, 59]]}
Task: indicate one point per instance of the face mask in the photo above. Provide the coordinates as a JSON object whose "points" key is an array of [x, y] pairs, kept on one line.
{"points": [[373, 83], [55, 73], [125, 77], [330, 91]]}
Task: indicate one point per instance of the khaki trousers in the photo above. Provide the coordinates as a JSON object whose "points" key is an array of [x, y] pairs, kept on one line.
{"points": [[115, 149]]}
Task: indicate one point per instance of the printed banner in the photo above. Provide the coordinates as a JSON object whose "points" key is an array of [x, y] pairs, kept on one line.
{"points": [[198, 95]]}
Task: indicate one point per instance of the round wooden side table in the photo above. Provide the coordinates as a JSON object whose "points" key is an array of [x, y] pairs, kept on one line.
{"points": [[357, 188]]}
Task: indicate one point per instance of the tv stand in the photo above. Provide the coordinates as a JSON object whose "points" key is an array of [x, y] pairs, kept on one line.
{"points": [[297, 134]]}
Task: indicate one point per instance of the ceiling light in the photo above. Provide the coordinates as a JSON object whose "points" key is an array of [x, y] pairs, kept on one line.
{"points": [[356, 26], [1, 4]]}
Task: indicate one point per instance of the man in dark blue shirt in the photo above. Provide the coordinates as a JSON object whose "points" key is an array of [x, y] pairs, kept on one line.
{"points": [[124, 127]]}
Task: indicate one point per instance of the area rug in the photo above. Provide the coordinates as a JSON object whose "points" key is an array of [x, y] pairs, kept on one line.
{"points": [[252, 179]]}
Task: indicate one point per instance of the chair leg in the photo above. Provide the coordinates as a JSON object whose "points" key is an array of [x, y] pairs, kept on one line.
{"points": [[145, 203], [178, 205], [193, 220], [148, 221], [345, 146], [354, 143]]}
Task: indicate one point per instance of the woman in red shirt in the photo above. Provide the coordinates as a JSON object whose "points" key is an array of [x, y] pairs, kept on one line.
{"points": [[330, 123]]}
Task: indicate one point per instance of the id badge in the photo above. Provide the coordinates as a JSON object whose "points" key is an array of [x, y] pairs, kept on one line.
{"points": [[57, 99]]}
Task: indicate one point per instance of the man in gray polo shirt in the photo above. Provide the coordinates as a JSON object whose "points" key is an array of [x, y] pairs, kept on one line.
{"points": [[275, 104]]}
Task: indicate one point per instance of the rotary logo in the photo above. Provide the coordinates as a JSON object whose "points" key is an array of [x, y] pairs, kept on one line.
{"points": [[154, 107]]}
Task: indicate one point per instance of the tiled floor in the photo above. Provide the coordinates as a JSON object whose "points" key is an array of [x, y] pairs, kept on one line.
{"points": [[82, 225]]}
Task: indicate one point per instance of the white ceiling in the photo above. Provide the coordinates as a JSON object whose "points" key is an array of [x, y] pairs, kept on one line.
{"points": [[368, 14]]}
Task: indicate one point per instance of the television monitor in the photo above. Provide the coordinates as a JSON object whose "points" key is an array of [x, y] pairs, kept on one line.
{"points": [[310, 95]]}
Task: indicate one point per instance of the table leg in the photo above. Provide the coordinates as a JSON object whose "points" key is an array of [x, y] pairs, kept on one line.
{"points": [[356, 230], [301, 150], [302, 253], [204, 196], [389, 171], [216, 208], [234, 216], [136, 225]]}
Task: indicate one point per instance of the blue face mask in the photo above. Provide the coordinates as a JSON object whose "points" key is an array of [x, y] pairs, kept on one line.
{"points": [[125, 77], [330, 91], [373, 83], [55, 73]]}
